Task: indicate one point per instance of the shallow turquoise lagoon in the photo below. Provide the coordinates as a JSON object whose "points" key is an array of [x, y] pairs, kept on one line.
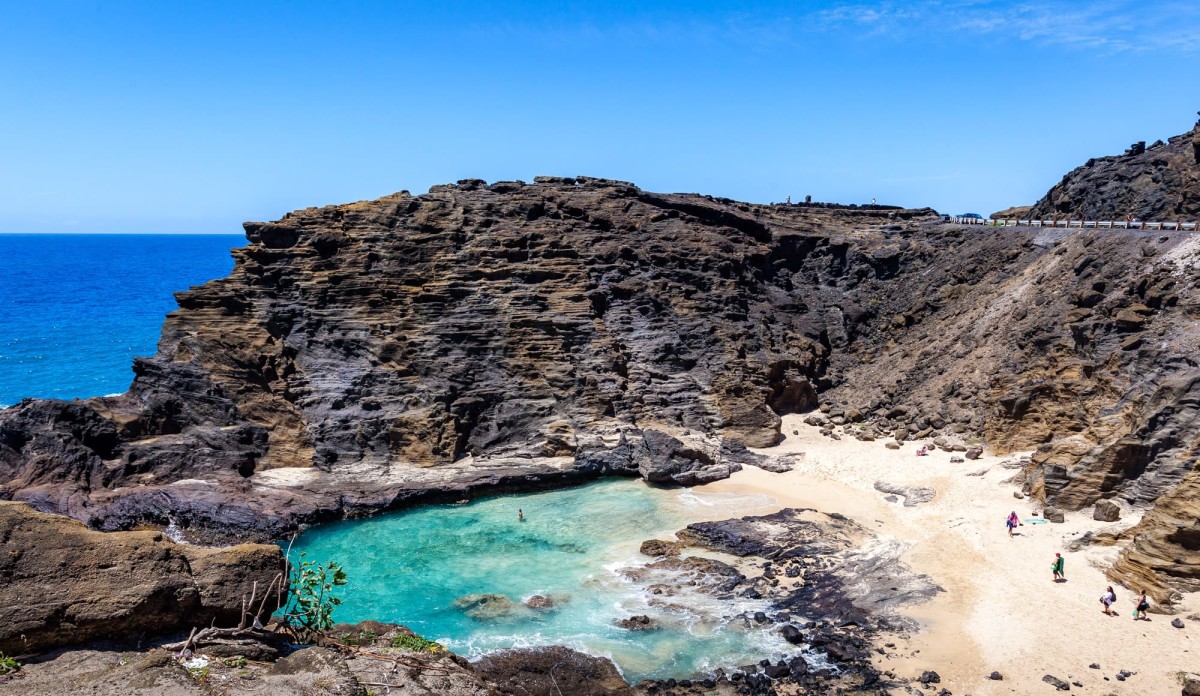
{"points": [[576, 546]]}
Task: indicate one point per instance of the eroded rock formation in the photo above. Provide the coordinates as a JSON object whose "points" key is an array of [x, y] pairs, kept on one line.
{"points": [[63, 584], [1156, 183], [375, 354]]}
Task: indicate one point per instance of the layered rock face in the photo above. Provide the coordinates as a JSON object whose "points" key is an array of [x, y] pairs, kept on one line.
{"points": [[1156, 183], [370, 355], [61, 583], [361, 356]]}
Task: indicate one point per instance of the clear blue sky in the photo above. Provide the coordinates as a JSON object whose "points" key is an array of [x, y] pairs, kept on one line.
{"points": [[192, 117]]}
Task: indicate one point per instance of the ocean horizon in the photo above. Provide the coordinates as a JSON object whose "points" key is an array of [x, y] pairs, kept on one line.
{"points": [[77, 308]]}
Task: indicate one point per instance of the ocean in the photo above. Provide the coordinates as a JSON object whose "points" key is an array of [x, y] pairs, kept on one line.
{"points": [[75, 309]]}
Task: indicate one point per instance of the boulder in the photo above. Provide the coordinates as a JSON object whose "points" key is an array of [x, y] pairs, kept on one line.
{"points": [[666, 459], [660, 548], [66, 584], [1056, 683], [974, 452], [550, 670], [1053, 514], [640, 622], [1106, 511]]}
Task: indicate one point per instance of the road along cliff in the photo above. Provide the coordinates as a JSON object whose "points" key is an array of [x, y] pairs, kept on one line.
{"points": [[508, 336]]}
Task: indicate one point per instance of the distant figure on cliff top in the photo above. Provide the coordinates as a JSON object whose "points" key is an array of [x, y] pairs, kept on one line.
{"points": [[520, 515], [872, 200], [1057, 567], [789, 200]]}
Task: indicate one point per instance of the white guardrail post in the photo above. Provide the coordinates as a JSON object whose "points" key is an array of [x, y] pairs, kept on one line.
{"points": [[1177, 226]]}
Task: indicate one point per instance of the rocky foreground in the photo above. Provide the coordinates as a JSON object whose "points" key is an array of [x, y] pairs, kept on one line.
{"points": [[829, 595]]}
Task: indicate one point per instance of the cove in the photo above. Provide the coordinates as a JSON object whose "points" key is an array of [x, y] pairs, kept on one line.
{"points": [[578, 547]]}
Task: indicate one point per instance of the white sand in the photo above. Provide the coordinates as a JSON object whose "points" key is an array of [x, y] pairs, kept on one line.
{"points": [[1001, 610]]}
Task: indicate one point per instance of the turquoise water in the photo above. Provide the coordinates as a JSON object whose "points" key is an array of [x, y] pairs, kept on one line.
{"points": [[75, 309], [576, 546]]}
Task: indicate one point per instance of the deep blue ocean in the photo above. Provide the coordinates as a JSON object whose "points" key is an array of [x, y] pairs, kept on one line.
{"points": [[76, 309]]}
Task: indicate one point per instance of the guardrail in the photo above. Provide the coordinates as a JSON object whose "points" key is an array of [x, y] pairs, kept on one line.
{"points": [[1082, 224]]}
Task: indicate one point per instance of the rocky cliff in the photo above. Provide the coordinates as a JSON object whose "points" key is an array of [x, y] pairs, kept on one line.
{"points": [[370, 355], [62, 584], [1156, 183]]}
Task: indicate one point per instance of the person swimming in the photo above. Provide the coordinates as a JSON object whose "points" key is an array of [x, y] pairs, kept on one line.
{"points": [[520, 515]]}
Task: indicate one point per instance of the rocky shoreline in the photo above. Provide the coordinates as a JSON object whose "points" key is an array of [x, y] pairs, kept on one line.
{"points": [[808, 565]]}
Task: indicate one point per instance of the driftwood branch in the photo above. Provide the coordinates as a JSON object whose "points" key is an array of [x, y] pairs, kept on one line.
{"points": [[214, 633]]}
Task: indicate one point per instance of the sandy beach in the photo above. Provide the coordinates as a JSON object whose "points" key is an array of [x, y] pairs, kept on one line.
{"points": [[1001, 610]]}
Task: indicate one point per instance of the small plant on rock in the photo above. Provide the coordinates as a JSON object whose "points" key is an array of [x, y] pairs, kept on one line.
{"points": [[311, 602], [8, 665], [416, 644]]}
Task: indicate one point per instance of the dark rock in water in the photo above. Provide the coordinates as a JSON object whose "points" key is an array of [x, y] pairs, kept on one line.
{"points": [[1106, 511], [638, 623], [1057, 683], [90, 585], [550, 670], [777, 671], [798, 666], [792, 634], [541, 603], [996, 676], [929, 677], [659, 548], [760, 617]]}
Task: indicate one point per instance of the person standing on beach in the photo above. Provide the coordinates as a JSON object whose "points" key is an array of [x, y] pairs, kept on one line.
{"points": [[1107, 600], [1057, 567]]}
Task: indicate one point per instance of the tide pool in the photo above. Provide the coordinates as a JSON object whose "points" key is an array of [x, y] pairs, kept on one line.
{"points": [[576, 546]]}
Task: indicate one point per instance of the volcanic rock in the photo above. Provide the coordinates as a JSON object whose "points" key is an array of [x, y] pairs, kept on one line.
{"points": [[417, 348], [1106, 511], [65, 584], [550, 670], [1160, 182]]}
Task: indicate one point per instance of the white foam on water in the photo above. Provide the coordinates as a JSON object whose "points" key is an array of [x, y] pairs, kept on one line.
{"points": [[174, 533]]}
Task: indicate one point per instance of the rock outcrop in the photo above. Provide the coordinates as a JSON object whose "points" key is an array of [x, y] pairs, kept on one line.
{"points": [[1160, 182], [483, 337], [63, 584]]}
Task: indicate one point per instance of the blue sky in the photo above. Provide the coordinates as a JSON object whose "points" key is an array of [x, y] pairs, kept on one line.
{"points": [[192, 117]]}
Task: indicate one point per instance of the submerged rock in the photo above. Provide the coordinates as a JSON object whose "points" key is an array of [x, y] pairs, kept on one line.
{"points": [[489, 607]]}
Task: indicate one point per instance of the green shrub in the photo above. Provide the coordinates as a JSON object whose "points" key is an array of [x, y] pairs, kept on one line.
{"points": [[8, 665], [416, 644], [310, 605]]}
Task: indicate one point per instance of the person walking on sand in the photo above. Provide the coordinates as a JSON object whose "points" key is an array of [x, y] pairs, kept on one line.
{"points": [[1012, 522], [1057, 567], [1142, 605], [1107, 600]]}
